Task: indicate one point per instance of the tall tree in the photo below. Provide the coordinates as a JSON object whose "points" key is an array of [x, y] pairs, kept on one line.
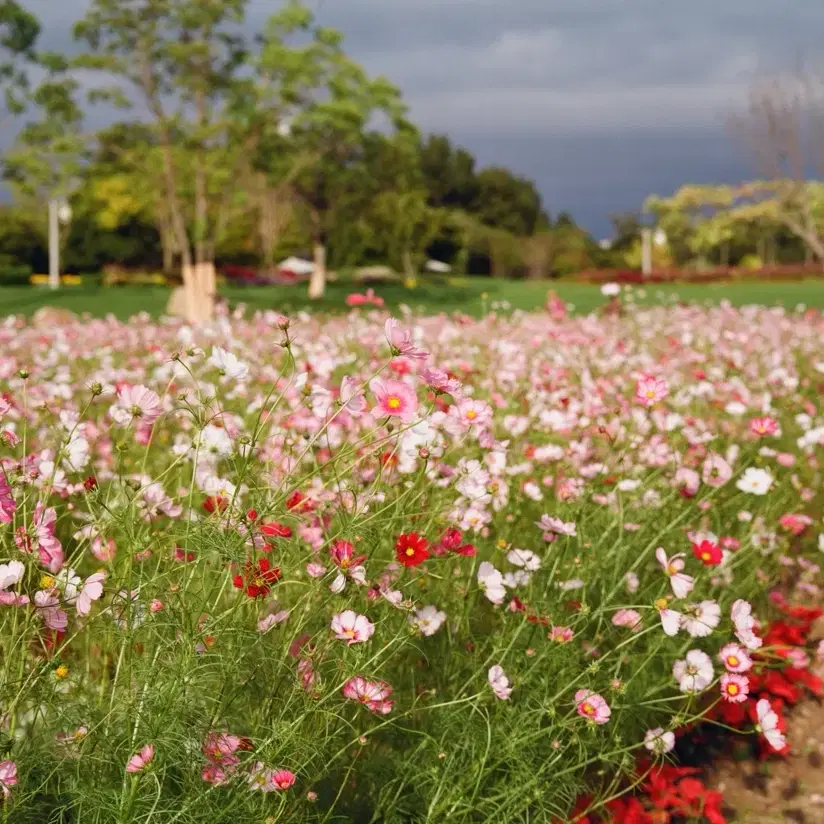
{"points": [[19, 30], [184, 60], [783, 131]]}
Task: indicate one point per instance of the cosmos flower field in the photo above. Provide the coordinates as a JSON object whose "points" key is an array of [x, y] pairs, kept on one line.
{"points": [[423, 569]]}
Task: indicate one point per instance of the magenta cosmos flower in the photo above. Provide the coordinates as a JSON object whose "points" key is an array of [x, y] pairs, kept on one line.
{"points": [[353, 628], [140, 760], [592, 706], [7, 505], [395, 398]]}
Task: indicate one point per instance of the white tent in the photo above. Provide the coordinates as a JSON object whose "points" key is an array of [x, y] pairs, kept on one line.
{"points": [[438, 266], [297, 265]]}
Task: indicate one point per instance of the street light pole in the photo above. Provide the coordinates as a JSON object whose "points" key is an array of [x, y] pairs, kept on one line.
{"points": [[54, 244]]}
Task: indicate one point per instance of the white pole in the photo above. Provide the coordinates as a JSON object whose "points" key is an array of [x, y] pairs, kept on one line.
{"points": [[54, 246]]}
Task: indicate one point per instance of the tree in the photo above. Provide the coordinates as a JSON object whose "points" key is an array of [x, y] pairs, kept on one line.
{"points": [[508, 202], [19, 30], [783, 130], [46, 160], [184, 59], [449, 174]]}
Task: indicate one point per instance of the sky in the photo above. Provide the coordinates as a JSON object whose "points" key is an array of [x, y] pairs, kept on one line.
{"points": [[601, 102]]}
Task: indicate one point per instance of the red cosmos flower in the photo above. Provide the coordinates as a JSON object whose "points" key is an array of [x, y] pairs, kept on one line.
{"points": [[298, 502], [275, 530], [257, 579], [215, 503], [708, 553], [90, 483], [411, 549], [452, 540]]}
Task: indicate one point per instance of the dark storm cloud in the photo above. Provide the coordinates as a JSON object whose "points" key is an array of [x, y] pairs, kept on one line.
{"points": [[532, 83]]}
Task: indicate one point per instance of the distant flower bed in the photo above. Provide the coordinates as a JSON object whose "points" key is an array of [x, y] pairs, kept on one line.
{"points": [[718, 274], [350, 568]]}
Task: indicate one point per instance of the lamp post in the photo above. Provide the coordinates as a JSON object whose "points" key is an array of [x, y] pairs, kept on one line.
{"points": [[59, 212]]}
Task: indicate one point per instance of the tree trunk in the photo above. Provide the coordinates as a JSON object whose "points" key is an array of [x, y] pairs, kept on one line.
{"points": [[408, 267], [317, 280], [199, 284]]}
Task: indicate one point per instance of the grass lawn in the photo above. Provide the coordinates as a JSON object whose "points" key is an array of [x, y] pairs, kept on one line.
{"points": [[472, 296]]}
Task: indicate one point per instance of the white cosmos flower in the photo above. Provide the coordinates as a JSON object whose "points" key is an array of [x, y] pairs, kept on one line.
{"points": [[694, 673], [427, 620], [524, 558], [229, 365], [499, 682], [700, 619], [491, 582], [755, 481], [659, 742], [768, 724]]}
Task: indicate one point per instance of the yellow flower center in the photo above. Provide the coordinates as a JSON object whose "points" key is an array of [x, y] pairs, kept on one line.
{"points": [[705, 556], [733, 661], [588, 709], [733, 689], [471, 414], [46, 582], [394, 402], [61, 672], [409, 552], [661, 603]]}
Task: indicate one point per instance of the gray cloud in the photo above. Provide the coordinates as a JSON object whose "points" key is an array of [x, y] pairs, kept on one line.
{"points": [[520, 80]]}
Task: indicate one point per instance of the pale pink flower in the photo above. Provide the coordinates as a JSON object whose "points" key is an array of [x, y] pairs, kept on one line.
{"points": [[592, 706], [716, 471], [48, 607], [140, 760], [374, 695], [49, 548], [353, 400], [659, 742], [395, 398], [700, 619], [92, 590], [744, 623], [670, 619], [768, 725], [734, 688], [136, 403], [680, 582], [694, 673], [12, 573], [266, 623], [688, 481], [8, 777], [649, 390], [555, 526], [104, 551], [499, 682], [735, 658], [400, 341], [629, 618], [439, 380], [351, 627], [7, 505], [491, 581]]}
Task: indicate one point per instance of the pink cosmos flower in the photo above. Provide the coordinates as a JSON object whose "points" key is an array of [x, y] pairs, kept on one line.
{"points": [[764, 427], [680, 582], [688, 481], [439, 380], [140, 760], [735, 658], [49, 548], [650, 390], [629, 618], [283, 779], [395, 398], [795, 523], [562, 635], [351, 627], [734, 688], [400, 341], [374, 695], [472, 412], [592, 706], [8, 777], [555, 526], [491, 581], [499, 682], [7, 505], [768, 725], [92, 590], [670, 618], [136, 403]]}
